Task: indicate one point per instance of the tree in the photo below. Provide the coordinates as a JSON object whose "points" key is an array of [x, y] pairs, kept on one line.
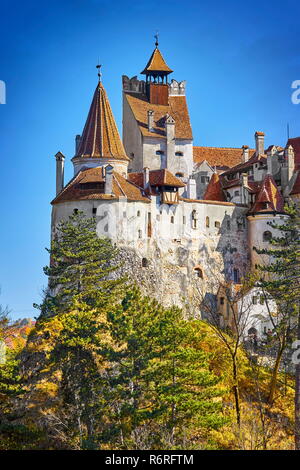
{"points": [[232, 331], [159, 377], [81, 267], [281, 279]]}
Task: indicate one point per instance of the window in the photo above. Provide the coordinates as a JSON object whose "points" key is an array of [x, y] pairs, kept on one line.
{"points": [[131, 155], [199, 272], [179, 154], [179, 175], [204, 179], [221, 300], [160, 152], [172, 219], [75, 211], [254, 300], [138, 213], [184, 220], [93, 185], [124, 215], [145, 263], [140, 233], [267, 236], [236, 193], [207, 221], [194, 219], [94, 210], [217, 224], [236, 276]]}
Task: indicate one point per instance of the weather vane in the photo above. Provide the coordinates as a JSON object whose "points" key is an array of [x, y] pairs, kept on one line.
{"points": [[156, 38], [99, 72]]}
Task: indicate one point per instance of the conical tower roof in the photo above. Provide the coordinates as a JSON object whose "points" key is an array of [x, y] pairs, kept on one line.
{"points": [[100, 137], [156, 64]]}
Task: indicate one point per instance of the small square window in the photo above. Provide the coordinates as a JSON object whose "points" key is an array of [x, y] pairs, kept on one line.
{"points": [[94, 210]]}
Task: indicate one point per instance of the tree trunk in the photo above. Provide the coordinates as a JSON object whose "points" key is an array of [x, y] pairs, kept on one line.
{"points": [[236, 391], [275, 374]]}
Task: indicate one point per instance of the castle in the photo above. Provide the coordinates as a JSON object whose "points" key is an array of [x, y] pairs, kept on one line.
{"points": [[179, 213]]}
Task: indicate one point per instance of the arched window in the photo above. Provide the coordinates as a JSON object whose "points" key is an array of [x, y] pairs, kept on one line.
{"points": [[267, 236], [172, 219], [199, 272], [194, 219], [207, 221], [145, 263], [236, 276]]}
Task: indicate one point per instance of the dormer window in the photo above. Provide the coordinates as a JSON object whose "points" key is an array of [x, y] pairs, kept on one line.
{"points": [[179, 175], [179, 154], [160, 152], [93, 185]]}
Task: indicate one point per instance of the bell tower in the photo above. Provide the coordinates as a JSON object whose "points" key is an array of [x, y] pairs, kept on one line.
{"points": [[157, 71]]}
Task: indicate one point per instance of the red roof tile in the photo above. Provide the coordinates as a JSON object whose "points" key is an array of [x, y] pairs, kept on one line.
{"points": [[177, 108], [214, 191], [156, 63], [219, 156], [268, 198], [100, 137], [157, 178], [121, 187]]}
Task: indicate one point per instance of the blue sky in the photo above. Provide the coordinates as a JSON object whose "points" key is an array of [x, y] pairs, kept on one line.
{"points": [[239, 60]]}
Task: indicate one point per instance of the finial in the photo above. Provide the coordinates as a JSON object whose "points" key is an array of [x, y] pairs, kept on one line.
{"points": [[99, 72], [156, 37]]}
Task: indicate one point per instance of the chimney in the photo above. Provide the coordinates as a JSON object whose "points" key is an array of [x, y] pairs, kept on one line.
{"points": [[245, 153], [146, 177], [150, 114], [259, 142], [60, 163], [108, 179], [77, 143], [191, 189]]}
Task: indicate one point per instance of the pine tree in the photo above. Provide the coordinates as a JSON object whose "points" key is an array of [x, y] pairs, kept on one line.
{"points": [[280, 280], [159, 377], [81, 267], [187, 394]]}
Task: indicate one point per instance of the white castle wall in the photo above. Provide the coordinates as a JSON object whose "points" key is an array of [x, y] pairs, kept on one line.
{"points": [[175, 248], [258, 224]]}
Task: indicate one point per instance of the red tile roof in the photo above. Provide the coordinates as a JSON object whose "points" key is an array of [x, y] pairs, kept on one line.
{"points": [[157, 178], [100, 136], [243, 166], [156, 63], [268, 198], [121, 187], [214, 191], [219, 156], [177, 108]]}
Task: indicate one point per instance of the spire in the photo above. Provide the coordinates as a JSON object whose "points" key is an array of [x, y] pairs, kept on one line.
{"points": [[100, 137], [156, 64]]}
